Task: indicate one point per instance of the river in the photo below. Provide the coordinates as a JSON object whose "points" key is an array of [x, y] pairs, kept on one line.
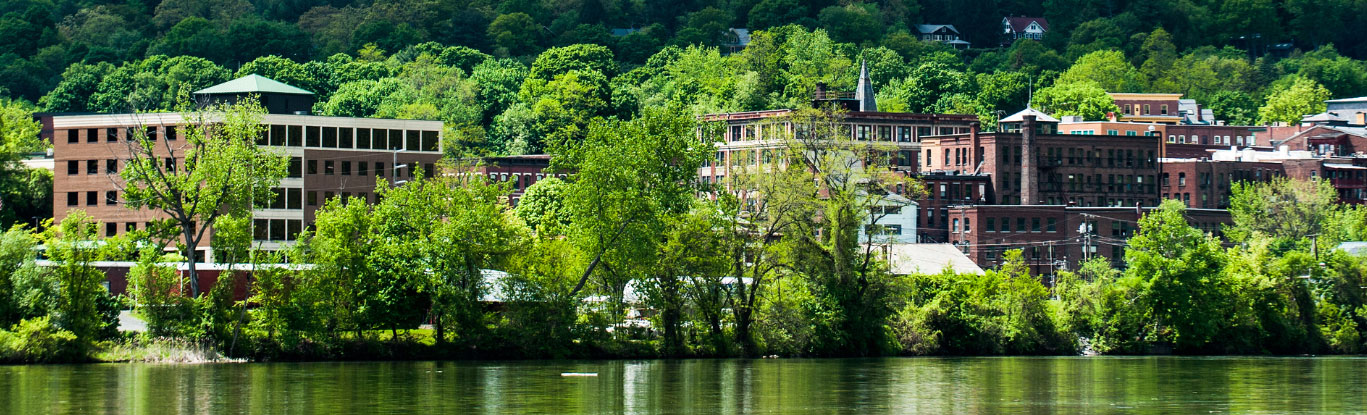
{"points": [[778, 386]]}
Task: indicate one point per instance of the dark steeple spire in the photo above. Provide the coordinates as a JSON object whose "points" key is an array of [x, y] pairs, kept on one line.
{"points": [[864, 93]]}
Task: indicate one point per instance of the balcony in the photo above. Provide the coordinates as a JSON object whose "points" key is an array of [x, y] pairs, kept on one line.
{"points": [[1348, 183]]}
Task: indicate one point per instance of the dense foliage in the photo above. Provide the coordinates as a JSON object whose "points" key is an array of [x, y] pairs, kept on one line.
{"points": [[514, 76]]}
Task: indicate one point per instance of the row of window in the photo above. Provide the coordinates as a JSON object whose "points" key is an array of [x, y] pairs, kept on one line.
{"points": [[349, 138], [1050, 225], [1128, 133], [110, 166], [92, 198], [862, 132], [111, 135], [363, 168], [1147, 110], [276, 229], [1239, 140]]}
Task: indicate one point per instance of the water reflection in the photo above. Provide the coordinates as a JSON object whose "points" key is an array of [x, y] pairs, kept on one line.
{"points": [[874, 386]]}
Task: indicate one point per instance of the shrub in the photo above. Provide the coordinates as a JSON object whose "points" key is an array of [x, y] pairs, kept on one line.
{"points": [[37, 340]]}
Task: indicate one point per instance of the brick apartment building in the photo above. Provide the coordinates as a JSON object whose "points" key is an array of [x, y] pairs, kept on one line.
{"points": [[329, 156], [1054, 237]]}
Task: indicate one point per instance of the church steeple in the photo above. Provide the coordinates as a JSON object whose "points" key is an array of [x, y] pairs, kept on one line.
{"points": [[864, 92]]}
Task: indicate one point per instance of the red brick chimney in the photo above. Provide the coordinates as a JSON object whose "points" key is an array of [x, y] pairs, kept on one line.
{"points": [[1029, 175]]}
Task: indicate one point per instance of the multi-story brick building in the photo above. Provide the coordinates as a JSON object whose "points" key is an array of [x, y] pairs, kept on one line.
{"points": [[1055, 237], [1030, 163], [329, 156], [1146, 108]]}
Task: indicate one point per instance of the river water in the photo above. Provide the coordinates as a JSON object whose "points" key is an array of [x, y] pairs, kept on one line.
{"points": [[779, 386]]}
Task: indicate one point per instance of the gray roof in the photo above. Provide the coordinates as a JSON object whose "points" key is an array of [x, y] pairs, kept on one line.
{"points": [[1020, 116], [931, 28], [1355, 248], [906, 259], [253, 84], [1358, 99]]}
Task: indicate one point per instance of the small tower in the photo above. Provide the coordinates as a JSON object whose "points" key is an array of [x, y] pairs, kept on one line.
{"points": [[864, 92]]}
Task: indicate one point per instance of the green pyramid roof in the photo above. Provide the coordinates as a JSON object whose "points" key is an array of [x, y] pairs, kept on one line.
{"points": [[253, 84]]}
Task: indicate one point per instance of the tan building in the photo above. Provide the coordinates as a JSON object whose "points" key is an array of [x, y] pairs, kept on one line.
{"points": [[329, 156]]}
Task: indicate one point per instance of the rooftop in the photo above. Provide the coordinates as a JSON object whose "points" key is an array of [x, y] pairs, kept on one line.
{"points": [[253, 84], [1020, 116]]}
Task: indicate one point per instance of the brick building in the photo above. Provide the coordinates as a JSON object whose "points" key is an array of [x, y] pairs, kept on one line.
{"points": [[1055, 237], [755, 138], [1030, 163], [523, 171], [329, 156], [1148, 108]]}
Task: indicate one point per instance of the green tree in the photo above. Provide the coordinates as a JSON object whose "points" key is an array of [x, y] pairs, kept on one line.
{"points": [[771, 13], [1108, 68], [1282, 209], [26, 290], [1292, 100], [631, 175], [79, 82], [1083, 98], [542, 207], [515, 34], [1186, 299], [219, 170], [71, 246], [858, 23]]}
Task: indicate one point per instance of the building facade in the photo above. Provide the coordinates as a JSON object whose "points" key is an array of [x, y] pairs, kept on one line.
{"points": [[329, 157]]}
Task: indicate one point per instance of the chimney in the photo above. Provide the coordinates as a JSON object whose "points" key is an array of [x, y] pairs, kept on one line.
{"points": [[1029, 176], [1359, 118], [1110, 116], [974, 155]]}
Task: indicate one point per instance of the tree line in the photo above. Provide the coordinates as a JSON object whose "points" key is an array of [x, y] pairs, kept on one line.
{"points": [[634, 256]]}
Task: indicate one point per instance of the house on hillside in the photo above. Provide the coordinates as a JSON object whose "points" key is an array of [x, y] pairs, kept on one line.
{"points": [[1023, 28], [944, 33]]}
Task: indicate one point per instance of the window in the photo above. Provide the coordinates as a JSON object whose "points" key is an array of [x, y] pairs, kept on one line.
{"points": [[92, 167], [73, 136], [1034, 224], [296, 167], [313, 167], [1164, 109], [1112, 132], [346, 168], [1146, 109], [111, 197], [344, 138], [363, 138], [413, 140], [111, 229], [955, 227], [968, 225], [362, 168], [111, 166], [151, 133], [130, 226], [73, 167], [1020, 224], [329, 137], [170, 164], [72, 199], [110, 135], [431, 141], [292, 198], [329, 168], [90, 198], [170, 134], [313, 137], [991, 225], [379, 168], [1051, 225], [1181, 179]]}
